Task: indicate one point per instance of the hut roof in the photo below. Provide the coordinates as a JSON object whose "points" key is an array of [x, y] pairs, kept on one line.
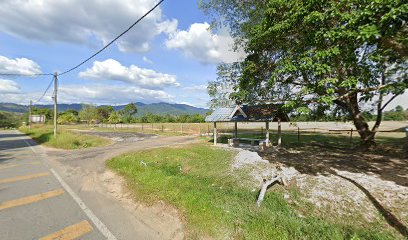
{"points": [[245, 113]]}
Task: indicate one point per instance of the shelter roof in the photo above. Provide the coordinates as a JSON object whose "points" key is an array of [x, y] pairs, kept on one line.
{"points": [[247, 113]]}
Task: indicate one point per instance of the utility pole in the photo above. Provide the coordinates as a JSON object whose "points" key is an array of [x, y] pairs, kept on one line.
{"points": [[29, 115], [55, 102]]}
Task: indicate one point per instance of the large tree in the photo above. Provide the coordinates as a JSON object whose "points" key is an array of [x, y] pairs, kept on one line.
{"points": [[88, 113], [128, 111], [326, 52]]}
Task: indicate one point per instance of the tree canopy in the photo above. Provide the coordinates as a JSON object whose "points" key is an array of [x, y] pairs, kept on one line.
{"points": [[317, 53]]}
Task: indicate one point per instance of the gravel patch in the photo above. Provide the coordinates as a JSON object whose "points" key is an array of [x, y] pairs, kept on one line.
{"points": [[121, 136]]}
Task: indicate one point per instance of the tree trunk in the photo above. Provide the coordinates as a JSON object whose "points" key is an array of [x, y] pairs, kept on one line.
{"points": [[366, 135]]}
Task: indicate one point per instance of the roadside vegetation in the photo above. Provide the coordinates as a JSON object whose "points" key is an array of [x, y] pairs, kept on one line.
{"points": [[43, 134], [197, 180], [10, 120]]}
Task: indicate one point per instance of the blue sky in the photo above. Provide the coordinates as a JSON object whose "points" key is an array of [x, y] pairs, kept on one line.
{"points": [[169, 57]]}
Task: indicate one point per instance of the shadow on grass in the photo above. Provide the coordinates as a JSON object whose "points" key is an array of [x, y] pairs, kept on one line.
{"points": [[389, 217]]}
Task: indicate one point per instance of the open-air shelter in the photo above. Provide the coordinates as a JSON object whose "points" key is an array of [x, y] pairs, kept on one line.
{"points": [[244, 113]]}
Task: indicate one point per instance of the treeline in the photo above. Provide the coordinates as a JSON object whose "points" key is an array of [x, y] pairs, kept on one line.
{"points": [[106, 114], [10, 120], [335, 115]]}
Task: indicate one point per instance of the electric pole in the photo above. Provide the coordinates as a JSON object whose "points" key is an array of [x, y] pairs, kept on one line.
{"points": [[29, 115], [55, 102]]}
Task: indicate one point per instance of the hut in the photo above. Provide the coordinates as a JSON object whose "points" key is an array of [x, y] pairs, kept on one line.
{"points": [[244, 113]]}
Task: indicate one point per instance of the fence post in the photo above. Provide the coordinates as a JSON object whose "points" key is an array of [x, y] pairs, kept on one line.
{"points": [[351, 137], [208, 127], [298, 133], [142, 128], [162, 128], [262, 131], [181, 128]]}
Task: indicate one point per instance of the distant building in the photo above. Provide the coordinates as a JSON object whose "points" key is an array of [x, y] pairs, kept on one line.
{"points": [[37, 119]]}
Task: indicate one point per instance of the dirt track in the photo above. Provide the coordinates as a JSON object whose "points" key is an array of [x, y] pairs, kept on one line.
{"points": [[103, 191]]}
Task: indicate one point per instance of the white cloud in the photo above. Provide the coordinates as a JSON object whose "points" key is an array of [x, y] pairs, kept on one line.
{"points": [[18, 65], [8, 86], [196, 88], [78, 21], [98, 94], [103, 94], [146, 60], [113, 70], [200, 43]]}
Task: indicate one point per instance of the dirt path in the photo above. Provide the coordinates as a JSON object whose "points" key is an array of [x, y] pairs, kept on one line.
{"points": [[104, 192]]}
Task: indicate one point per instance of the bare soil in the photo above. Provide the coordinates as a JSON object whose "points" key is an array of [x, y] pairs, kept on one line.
{"points": [[120, 136], [106, 193], [340, 183]]}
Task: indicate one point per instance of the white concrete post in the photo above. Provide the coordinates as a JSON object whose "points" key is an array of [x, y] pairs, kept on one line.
{"points": [[279, 132], [215, 133], [267, 132]]}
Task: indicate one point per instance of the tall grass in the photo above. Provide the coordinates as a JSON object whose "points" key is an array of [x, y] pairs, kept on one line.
{"points": [[65, 139], [196, 179]]}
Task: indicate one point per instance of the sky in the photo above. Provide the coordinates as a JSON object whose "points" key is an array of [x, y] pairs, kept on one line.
{"points": [[169, 57]]}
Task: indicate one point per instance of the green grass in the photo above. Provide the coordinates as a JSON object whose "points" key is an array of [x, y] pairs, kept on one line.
{"points": [[393, 144], [65, 139], [216, 204]]}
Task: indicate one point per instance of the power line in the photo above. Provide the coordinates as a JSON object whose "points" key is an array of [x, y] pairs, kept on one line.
{"points": [[45, 92], [25, 75], [120, 35]]}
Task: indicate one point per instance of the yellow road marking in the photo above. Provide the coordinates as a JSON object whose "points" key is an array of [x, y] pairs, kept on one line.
{"points": [[26, 177], [71, 232], [16, 165], [30, 199]]}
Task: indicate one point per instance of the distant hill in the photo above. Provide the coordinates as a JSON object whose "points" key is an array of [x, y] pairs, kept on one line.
{"points": [[156, 108]]}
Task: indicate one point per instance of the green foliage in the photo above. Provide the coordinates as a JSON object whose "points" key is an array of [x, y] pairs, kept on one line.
{"points": [[49, 114], [114, 117], [323, 53], [64, 140], [9, 120], [103, 113], [167, 118], [68, 117], [397, 114], [128, 113], [88, 113]]}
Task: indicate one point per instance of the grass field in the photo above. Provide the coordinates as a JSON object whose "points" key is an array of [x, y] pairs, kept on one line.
{"points": [[43, 134], [197, 180]]}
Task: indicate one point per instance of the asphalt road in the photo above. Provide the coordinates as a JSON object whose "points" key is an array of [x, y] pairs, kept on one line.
{"points": [[59, 194], [34, 204]]}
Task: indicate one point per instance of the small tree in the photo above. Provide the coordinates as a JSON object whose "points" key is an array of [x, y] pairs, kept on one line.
{"points": [[67, 118], [103, 113], [114, 118], [128, 111], [88, 113]]}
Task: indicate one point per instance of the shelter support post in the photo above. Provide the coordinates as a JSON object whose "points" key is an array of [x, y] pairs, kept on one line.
{"points": [[236, 130], [279, 132], [267, 132], [215, 133]]}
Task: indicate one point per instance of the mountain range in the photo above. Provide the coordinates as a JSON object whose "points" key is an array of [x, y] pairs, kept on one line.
{"points": [[156, 108]]}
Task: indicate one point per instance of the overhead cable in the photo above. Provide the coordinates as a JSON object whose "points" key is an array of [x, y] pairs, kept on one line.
{"points": [[111, 42], [45, 92]]}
